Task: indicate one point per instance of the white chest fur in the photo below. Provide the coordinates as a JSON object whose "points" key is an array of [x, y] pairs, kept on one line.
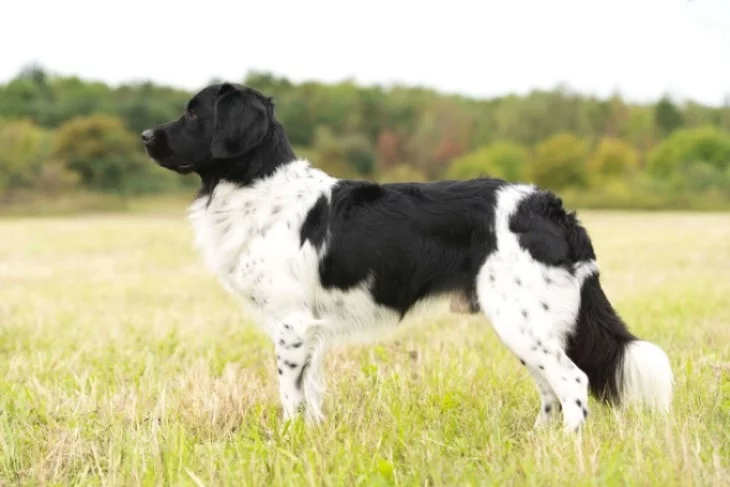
{"points": [[249, 237]]}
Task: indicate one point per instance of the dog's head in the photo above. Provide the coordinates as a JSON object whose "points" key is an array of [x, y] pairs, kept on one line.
{"points": [[221, 122]]}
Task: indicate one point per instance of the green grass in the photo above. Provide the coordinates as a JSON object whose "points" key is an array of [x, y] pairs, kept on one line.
{"points": [[123, 362]]}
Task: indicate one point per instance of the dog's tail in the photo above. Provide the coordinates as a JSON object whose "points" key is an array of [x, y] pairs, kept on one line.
{"points": [[622, 369]]}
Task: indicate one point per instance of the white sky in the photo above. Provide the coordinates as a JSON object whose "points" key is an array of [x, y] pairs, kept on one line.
{"points": [[481, 47]]}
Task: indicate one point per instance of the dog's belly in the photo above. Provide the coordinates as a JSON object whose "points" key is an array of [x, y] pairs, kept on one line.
{"points": [[353, 316]]}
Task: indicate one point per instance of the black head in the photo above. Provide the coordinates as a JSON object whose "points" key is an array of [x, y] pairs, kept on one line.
{"points": [[227, 131]]}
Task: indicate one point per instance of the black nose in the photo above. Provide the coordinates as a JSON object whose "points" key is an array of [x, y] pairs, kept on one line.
{"points": [[148, 135]]}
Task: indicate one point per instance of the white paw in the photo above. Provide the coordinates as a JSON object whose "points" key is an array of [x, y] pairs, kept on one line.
{"points": [[545, 415], [574, 415]]}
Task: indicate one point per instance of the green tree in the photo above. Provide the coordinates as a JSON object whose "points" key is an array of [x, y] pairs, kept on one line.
{"points": [[640, 129], [541, 114], [504, 160], [666, 116], [560, 162]]}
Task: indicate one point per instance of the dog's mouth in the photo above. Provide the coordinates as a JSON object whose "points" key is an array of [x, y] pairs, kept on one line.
{"points": [[165, 158]]}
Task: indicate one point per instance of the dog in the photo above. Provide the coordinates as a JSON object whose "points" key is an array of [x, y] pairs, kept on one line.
{"points": [[317, 260]]}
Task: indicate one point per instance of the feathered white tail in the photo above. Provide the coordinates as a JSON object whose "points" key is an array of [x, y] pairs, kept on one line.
{"points": [[645, 376]]}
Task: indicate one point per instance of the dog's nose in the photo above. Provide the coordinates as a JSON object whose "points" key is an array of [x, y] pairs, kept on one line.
{"points": [[148, 135]]}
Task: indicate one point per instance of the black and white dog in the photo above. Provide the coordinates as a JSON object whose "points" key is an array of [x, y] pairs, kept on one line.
{"points": [[317, 259]]}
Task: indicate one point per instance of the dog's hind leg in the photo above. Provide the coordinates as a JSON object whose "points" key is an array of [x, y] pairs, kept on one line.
{"points": [[549, 402], [531, 309], [300, 350]]}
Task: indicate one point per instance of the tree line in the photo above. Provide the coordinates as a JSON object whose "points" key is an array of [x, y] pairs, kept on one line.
{"points": [[64, 134]]}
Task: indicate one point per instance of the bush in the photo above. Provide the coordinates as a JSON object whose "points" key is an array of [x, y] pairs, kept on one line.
{"points": [[685, 148], [24, 147], [560, 162], [613, 159], [349, 156], [107, 157], [694, 159], [504, 160]]}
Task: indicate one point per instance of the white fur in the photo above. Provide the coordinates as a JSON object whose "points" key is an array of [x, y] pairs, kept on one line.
{"points": [[646, 376]]}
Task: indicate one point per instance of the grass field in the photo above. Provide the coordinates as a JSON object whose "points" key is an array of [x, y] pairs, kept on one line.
{"points": [[123, 362]]}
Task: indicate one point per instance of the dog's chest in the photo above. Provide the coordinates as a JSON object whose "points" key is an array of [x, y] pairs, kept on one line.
{"points": [[249, 237]]}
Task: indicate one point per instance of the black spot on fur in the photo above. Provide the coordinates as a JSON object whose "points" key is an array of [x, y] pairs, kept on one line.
{"points": [[518, 281], [300, 377], [524, 313], [523, 362], [579, 403], [585, 413], [548, 408], [296, 345], [541, 367], [280, 371], [545, 306], [314, 228], [291, 365]]}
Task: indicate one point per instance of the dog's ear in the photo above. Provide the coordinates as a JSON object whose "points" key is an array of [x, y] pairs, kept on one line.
{"points": [[240, 123]]}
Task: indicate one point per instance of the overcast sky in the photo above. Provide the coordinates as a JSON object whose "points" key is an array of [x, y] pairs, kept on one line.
{"points": [[643, 48]]}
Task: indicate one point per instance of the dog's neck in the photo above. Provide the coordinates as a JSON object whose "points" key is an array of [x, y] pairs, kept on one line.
{"points": [[274, 207], [259, 163]]}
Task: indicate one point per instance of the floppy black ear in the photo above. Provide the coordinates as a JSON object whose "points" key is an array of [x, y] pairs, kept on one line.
{"points": [[240, 123]]}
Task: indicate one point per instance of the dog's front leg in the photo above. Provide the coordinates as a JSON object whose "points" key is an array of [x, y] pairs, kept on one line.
{"points": [[300, 347]]}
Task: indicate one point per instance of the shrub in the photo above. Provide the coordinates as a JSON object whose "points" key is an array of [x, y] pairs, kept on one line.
{"points": [[560, 162]]}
